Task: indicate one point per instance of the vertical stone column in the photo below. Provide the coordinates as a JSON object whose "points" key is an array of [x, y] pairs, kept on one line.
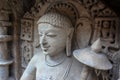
{"points": [[4, 38]]}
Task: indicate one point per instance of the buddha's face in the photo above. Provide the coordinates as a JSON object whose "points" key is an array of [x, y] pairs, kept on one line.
{"points": [[52, 39]]}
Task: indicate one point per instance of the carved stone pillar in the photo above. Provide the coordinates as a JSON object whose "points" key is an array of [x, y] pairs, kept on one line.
{"points": [[4, 38]]}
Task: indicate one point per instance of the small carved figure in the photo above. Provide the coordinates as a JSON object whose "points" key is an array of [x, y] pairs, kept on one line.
{"points": [[106, 29], [55, 61]]}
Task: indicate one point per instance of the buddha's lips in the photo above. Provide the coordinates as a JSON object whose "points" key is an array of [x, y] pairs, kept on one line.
{"points": [[45, 48]]}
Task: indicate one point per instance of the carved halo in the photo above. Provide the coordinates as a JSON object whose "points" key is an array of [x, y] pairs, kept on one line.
{"points": [[65, 8]]}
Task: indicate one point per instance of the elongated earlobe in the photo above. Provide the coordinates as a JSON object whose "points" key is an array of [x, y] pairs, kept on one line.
{"points": [[68, 47], [68, 42]]}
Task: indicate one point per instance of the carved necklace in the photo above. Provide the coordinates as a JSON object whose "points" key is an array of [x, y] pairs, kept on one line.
{"points": [[65, 73], [57, 62]]}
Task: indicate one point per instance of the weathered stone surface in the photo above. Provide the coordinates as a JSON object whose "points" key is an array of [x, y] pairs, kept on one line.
{"points": [[54, 62], [91, 19]]}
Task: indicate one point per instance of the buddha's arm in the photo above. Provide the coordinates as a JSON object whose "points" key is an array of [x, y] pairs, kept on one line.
{"points": [[84, 73], [27, 76], [29, 73], [88, 74]]}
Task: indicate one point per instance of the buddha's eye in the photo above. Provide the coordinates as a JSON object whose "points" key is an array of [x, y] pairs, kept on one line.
{"points": [[51, 35]]}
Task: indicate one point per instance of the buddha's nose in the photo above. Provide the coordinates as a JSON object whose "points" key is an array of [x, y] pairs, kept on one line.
{"points": [[43, 41]]}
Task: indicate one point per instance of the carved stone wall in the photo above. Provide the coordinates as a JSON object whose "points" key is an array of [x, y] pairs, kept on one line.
{"points": [[91, 19], [27, 40], [5, 59], [6, 38]]}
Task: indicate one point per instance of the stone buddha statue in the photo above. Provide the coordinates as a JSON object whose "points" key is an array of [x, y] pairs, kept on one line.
{"points": [[55, 61]]}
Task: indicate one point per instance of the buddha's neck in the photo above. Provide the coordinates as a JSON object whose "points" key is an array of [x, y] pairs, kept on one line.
{"points": [[56, 59]]}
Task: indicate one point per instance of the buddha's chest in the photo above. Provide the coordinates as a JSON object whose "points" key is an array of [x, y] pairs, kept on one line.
{"points": [[49, 73], [68, 70], [59, 72]]}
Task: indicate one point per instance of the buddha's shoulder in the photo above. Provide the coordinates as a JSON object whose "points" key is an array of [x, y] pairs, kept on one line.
{"points": [[76, 66], [76, 63], [38, 56]]}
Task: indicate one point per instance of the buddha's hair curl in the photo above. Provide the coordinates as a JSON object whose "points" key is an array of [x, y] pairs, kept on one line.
{"points": [[56, 19]]}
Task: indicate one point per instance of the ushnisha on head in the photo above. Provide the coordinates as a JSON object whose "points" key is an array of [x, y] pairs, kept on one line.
{"points": [[56, 19], [63, 26]]}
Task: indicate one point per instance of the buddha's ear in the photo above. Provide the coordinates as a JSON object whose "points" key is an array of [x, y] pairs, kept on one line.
{"points": [[68, 42], [71, 32]]}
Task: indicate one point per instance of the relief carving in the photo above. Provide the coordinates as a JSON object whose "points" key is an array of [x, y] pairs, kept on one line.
{"points": [[83, 26], [89, 3], [27, 53], [5, 59], [106, 28], [96, 9], [27, 30], [100, 21]]}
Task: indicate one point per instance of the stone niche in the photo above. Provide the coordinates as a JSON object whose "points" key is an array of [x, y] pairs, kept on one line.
{"points": [[91, 18]]}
